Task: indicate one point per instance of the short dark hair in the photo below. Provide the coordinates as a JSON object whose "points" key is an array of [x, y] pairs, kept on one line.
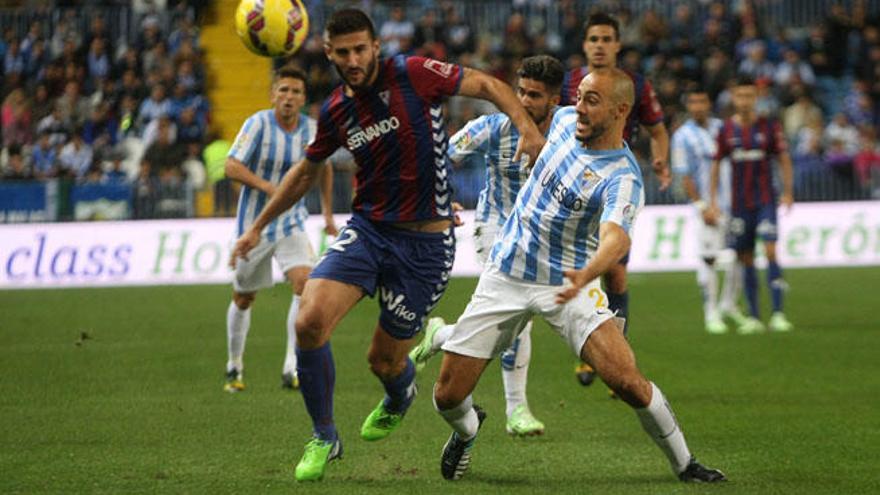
{"points": [[291, 71], [602, 19], [347, 21], [745, 80], [695, 89], [545, 69]]}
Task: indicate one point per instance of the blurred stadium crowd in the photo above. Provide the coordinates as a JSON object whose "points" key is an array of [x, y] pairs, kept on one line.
{"points": [[115, 92]]}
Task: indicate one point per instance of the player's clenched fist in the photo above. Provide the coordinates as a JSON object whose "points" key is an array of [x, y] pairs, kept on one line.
{"points": [[243, 246], [579, 279]]}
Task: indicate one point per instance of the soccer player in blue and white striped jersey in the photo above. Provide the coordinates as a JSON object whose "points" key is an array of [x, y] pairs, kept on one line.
{"points": [[585, 186], [693, 148], [268, 144], [493, 138]]}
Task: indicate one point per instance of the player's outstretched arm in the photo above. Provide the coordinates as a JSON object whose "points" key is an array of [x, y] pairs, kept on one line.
{"points": [[239, 172], [659, 154], [478, 84], [294, 185], [614, 243], [327, 198]]}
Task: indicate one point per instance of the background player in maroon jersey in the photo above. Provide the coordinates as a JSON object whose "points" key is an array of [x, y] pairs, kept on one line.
{"points": [[751, 143], [399, 241], [601, 46]]}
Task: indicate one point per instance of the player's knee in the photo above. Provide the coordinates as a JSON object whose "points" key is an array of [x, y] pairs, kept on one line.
{"points": [[383, 365], [310, 325], [445, 396], [632, 388], [243, 301]]}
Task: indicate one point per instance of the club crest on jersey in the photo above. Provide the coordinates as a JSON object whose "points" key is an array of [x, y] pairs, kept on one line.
{"points": [[442, 69], [591, 177], [385, 96]]}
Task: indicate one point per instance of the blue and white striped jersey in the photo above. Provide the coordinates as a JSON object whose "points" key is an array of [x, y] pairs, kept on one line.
{"points": [[554, 225], [494, 138], [692, 150], [269, 152]]}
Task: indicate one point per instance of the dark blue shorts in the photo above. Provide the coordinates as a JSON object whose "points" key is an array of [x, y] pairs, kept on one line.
{"points": [[409, 269], [747, 225]]}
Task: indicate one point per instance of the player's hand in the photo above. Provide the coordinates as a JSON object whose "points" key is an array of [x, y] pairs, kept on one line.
{"points": [[711, 215], [578, 280], [243, 246], [456, 218], [786, 200], [269, 189], [330, 226], [529, 147], [661, 170]]}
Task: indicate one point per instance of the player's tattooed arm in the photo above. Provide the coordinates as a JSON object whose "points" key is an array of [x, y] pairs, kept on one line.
{"points": [[614, 243], [478, 84]]}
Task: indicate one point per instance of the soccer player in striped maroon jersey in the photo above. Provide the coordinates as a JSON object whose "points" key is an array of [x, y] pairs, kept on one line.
{"points": [[751, 143], [399, 242]]}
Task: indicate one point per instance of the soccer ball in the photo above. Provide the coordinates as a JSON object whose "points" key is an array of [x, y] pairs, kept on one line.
{"points": [[272, 28]]}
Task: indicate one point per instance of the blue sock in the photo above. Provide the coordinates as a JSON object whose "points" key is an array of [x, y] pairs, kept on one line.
{"points": [[400, 390], [774, 280], [619, 303], [317, 377], [750, 283]]}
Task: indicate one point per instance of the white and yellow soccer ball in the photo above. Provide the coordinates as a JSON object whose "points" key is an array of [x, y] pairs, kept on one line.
{"points": [[272, 28]]}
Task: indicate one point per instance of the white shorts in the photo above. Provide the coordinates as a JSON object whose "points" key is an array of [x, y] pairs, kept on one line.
{"points": [[484, 238], [255, 273], [710, 238], [502, 305]]}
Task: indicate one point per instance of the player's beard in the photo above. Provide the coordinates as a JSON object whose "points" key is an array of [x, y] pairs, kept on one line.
{"points": [[368, 75], [597, 130]]}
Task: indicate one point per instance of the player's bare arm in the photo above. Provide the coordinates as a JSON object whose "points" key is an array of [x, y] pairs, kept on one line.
{"points": [[327, 198], [614, 243], [660, 153], [478, 84], [294, 185], [239, 172], [787, 197], [690, 188], [713, 211]]}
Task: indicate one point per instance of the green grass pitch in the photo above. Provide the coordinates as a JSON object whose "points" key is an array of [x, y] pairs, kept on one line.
{"points": [[138, 407]]}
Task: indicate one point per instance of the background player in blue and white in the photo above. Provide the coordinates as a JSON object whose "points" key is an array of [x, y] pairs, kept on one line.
{"points": [[493, 138], [268, 144], [399, 242], [693, 148], [586, 183]]}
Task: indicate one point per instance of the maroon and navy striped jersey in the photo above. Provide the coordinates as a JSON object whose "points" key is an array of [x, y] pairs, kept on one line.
{"points": [[750, 151], [646, 110], [396, 132]]}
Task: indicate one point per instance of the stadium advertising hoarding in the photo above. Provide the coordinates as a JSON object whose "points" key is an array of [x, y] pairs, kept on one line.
{"points": [[196, 251]]}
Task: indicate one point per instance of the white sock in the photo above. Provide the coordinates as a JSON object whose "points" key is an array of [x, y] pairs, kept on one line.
{"points": [[290, 357], [238, 322], [441, 337], [462, 418], [660, 424], [708, 281], [515, 378], [732, 287]]}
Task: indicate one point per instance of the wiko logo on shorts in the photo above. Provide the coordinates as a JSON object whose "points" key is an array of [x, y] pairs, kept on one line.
{"points": [[394, 304]]}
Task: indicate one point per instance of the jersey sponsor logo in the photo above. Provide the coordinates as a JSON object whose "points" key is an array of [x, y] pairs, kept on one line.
{"points": [[358, 137], [394, 304], [741, 155], [568, 198], [442, 69]]}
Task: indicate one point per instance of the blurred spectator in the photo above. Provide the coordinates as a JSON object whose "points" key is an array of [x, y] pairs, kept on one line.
{"points": [[799, 114], [42, 104], [16, 168], [44, 158], [163, 158], [128, 116], [767, 104], [841, 133], [396, 33], [76, 156], [717, 71], [189, 130], [154, 107], [428, 36], [809, 138], [460, 36], [793, 69], [56, 126], [756, 64], [653, 31], [858, 105], [517, 42], [101, 129], [97, 60], [73, 106], [151, 131], [185, 33], [866, 163], [13, 60], [16, 119]]}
